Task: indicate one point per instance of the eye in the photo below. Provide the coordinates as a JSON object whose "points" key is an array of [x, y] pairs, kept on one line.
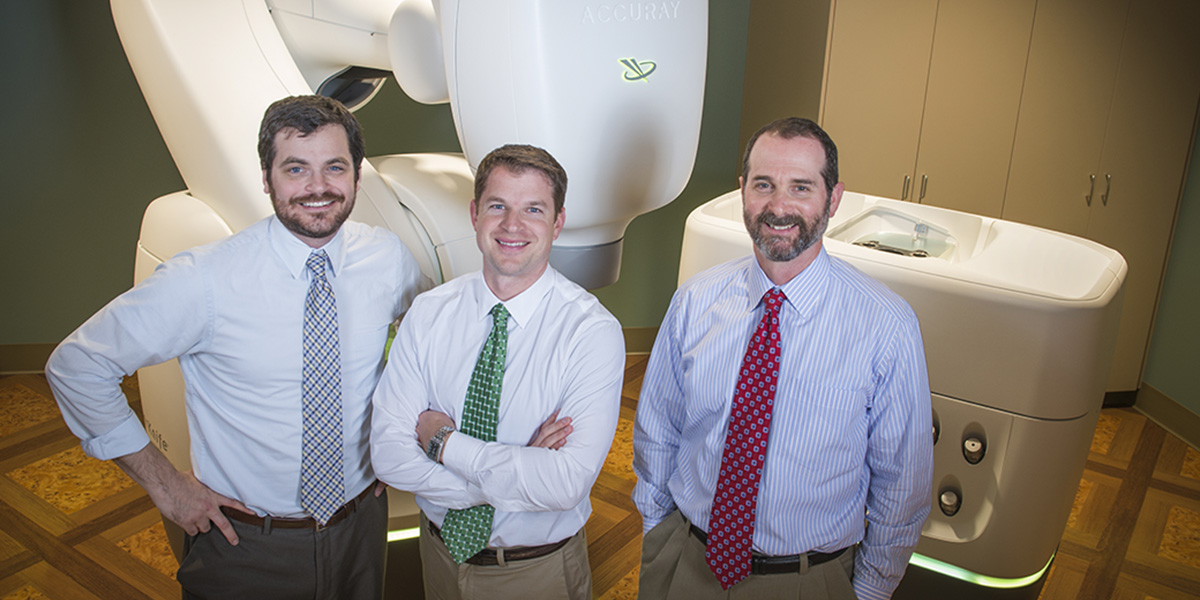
{"points": [[762, 186], [294, 170], [535, 210]]}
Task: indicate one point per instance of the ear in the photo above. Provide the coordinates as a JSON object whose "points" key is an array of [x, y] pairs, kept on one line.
{"points": [[836, 199], [266, 183], [559, 221], [473, 207]]}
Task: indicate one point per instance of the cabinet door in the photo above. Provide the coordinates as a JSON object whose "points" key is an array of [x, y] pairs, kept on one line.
{"points": [[974, 92], [1146, 152], [1064, 107], [875, 89]]}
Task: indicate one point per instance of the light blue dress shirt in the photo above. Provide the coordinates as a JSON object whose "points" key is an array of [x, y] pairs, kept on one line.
{"points": [[851, 427], [233, 313]]}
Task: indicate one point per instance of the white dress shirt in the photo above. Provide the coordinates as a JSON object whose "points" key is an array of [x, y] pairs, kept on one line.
{"points": [[565, 353], [850, 429], [233, 313]]}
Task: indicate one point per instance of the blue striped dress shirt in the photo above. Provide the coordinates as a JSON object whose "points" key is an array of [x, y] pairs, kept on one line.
{"points": [[851, 427]]}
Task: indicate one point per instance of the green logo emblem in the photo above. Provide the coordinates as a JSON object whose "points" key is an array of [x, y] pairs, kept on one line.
{"points": [[637, 71]]}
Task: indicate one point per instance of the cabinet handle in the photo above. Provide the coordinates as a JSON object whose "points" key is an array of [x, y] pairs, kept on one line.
{"points": [[1107, 187], [1091, 190], [904, 190], [924, 181]]}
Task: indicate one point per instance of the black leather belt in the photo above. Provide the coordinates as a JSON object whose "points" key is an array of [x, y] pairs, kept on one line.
{"points": [[307, 523], [761, 564], [491, 558]]}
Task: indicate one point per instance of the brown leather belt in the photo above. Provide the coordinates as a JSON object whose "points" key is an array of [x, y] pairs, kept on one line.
{"points": [[761, 564], [489, 557], [306, 523]]}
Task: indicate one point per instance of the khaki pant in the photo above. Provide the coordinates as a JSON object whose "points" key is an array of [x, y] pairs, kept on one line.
{"points": [[561, 575], [673, 568]]}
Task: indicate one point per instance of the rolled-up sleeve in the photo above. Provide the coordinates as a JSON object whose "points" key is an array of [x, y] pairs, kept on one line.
{"points": [[161, 318]]}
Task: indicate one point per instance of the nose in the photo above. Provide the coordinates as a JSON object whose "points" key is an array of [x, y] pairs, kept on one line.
{"points": [[317, 183], [510, 220]]}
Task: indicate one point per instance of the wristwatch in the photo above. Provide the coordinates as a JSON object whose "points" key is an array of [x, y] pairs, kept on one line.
{"points": [[434, 451]]}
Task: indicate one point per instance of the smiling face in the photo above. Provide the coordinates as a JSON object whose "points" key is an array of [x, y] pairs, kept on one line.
{"points": [[312, 182], [785, 204], [515, 226]]}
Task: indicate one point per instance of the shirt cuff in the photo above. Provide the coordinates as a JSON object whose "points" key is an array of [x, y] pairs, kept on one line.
{"points": [[458, 453], [126, 438], [865, 591]]}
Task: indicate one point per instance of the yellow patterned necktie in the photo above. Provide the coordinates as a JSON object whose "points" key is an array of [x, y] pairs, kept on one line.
{"points": [[322, 485]]}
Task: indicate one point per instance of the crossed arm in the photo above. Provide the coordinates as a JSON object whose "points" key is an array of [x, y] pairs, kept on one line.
{"points": [[551, 464]]}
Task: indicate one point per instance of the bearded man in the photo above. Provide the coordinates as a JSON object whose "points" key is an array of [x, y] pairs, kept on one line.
{"points": [[782, 440], [279, 331]]}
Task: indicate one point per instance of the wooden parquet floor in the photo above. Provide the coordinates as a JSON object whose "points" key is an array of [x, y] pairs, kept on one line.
{"points": [[72, 527]]}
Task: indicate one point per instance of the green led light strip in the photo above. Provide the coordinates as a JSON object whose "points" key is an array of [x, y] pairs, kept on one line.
{"points": [[403, 534], [919, 560], [950, 570]]}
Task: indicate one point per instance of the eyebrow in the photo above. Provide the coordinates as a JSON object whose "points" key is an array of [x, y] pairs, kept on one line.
{"points": [[297, 160]]}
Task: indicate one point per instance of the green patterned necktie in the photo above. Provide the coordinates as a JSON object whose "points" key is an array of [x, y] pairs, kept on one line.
{"points": [[466, 531]]}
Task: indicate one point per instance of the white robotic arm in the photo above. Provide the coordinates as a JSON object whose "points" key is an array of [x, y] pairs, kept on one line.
{"points": [[612, 89]]}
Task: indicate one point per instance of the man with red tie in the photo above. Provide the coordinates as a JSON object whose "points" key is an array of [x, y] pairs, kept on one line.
{"points": [[782, 440]]}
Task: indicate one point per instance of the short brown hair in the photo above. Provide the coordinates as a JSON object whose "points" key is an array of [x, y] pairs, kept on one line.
{"points": [[306, 114], [519, 157], [798, 127]]}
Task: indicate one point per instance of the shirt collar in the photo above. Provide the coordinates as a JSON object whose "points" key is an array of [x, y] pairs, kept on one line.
{"points": [[294, 253], [520, 307], [803, 292]]}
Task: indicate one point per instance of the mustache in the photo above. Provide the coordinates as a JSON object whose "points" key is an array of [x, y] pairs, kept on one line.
{"points": [[774, 220], [330, 196]]}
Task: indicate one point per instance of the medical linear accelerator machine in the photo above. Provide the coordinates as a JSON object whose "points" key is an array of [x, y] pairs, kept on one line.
{"points": [[615, 96], [1019, 325]]}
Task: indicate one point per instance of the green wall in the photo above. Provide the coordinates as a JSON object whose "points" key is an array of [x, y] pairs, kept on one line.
{"points": [[1174, 353], [85, 158]]}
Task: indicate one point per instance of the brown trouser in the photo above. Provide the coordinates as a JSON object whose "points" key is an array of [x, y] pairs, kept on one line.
{"points": [[673, 568], [561, 575]]}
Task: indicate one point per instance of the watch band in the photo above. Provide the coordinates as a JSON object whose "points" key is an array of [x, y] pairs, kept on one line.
{"points": [[434, 451]]}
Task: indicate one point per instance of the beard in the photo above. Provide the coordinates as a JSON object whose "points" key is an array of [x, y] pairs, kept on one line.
{"points": [[291, 214], [778, 248]]}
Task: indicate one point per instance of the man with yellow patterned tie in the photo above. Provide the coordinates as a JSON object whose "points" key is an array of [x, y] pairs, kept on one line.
{"points": [[279, 330], [467, 414]]}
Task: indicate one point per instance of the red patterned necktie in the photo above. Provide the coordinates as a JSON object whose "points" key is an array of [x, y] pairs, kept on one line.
{"points": [[731, 526]]}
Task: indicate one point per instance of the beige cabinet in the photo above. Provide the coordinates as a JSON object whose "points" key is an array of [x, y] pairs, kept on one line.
{"points": [[1103, 140], [1073, 115], [922, 97]]}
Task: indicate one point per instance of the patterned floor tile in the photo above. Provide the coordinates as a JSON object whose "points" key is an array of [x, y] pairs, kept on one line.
{"points": [[22, 407], [150, 546], [70, 480], [1106, 431], [26, 593], [1167, 535], [1181, 537], [620, 456]]}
